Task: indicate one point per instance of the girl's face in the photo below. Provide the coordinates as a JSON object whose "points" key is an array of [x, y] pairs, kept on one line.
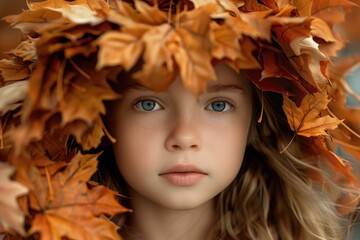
{"points": [[177, 151]]}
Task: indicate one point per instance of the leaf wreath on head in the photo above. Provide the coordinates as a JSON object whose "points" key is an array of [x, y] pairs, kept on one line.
{"points": [[54, 83]]}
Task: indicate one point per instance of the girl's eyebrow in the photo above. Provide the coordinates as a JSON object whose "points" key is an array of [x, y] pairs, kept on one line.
{"points": [[133, 86], [225, 87]]}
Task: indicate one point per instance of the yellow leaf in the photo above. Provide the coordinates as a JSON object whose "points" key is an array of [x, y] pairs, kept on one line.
{"points": [[10, 70], [303, 6], [71, 222], [11, 216], [225, 42], [306, 120], [321, 29], [29, 21], [92, 4], [158, 69], [331, 11], [192, 48], [69, 209], [118, 49]]}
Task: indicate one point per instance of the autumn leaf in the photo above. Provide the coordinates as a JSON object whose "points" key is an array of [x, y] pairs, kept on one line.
{"points": [[67, 207], [341, 172], [303, 6], [11, 216], [25, 51], [117, 48], [225, 44], [80, 15], [87, 136], [91, 4], [307, 52], [83, 98], [29, 21], [143, 17], [192, 47], [10, 70], [321, 29], [331, 11], [347, 137], [306, 120], [158, 70], [64, 222]]}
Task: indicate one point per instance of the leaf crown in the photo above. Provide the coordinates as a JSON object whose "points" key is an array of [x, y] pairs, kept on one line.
{"points": [[54, 82]]}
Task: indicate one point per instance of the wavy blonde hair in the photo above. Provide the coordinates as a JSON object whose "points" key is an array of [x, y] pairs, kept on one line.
{"points": [[273, 196]]}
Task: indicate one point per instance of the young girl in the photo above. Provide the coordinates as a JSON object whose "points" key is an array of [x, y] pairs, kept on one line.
{"points": [[220, 111], [203, 168]]}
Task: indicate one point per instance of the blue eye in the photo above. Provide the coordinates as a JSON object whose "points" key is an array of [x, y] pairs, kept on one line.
{"points": [[147, 105], [219, 106]]}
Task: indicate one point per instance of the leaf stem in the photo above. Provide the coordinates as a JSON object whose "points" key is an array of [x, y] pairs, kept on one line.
{"points": [[262, 108], [51, 191]]}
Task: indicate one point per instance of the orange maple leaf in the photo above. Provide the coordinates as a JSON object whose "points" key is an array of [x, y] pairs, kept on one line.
{"points": [[11, 216], [158, 62], [331, 11], [306, 120], [68, 208], [10, 70], [192, 47], [304, 7], [117, 48], [91, 4]]}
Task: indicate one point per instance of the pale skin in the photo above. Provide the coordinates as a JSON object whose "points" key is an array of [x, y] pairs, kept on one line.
{"points": [[178, 152]]}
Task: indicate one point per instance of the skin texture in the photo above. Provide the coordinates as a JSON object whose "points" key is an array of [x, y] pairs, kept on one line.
{"points": [[208, 133]]}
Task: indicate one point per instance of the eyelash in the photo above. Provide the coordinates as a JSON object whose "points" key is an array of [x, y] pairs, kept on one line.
{"points": [[227, 104], [147, 99], [138, 107]]}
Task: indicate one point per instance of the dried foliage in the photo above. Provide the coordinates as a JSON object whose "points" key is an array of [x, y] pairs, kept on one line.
{"points": [[54, 84]]}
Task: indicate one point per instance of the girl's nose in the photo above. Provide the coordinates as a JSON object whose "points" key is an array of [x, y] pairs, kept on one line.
{"points": [[184, 135]]}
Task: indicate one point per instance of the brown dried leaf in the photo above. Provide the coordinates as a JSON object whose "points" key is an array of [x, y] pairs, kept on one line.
{"points": [[225, 43], [192, 48], [29, 21], [158, 62], [339, 166], [91, 4], [26, 51], [10, 70], [303, 6], [69, 208], [117, 48], [83, 98], [64, 222], [306, 120], [321, 29], [331, 11], [308, 60]]}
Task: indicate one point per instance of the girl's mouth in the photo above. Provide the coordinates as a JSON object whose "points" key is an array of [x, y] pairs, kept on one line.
{"points": [[183, 178], [183, 175]]}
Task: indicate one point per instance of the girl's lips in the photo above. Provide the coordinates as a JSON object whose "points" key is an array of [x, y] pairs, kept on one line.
{"points": [[183, 178], [183, 175]]}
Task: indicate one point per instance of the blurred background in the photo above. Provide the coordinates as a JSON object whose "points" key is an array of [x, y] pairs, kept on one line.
{"points": [[350, 30]]}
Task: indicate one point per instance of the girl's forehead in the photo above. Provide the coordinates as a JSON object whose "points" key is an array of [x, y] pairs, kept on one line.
{"points": [[227, 79]]}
